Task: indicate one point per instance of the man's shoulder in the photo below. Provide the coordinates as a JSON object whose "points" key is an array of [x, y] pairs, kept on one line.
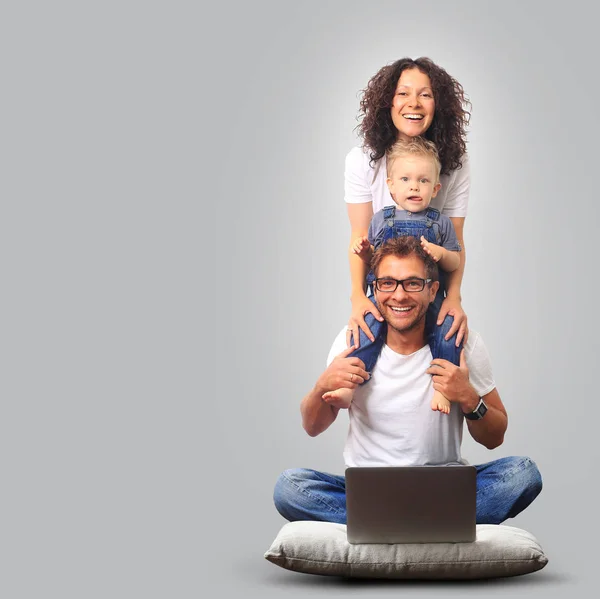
{"points": [[473, 341], [479, 363], [476, 352]]}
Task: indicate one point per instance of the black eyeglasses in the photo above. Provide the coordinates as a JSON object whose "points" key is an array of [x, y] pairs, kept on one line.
{"points": [[412, 285]]}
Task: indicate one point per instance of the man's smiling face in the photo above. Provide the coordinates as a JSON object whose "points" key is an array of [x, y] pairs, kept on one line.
{"points": [[404, 310]]}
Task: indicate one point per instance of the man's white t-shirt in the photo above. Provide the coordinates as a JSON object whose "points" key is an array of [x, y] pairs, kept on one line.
{"points": [[391, 420]]}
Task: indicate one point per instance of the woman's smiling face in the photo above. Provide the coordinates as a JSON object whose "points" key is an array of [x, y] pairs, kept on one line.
{"points": [[413, 106]]}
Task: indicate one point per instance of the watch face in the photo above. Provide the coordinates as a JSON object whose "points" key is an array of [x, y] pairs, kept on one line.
{"points": [[478, 413]]}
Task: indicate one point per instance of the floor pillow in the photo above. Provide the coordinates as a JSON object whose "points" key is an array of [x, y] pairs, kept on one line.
{"points": [[322, 548]]}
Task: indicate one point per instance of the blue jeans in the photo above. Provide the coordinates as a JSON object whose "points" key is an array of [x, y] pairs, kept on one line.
{"points": [[505, 487]]}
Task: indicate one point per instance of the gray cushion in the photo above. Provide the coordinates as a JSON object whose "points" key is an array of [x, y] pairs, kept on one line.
{"points": [[322, 548]]}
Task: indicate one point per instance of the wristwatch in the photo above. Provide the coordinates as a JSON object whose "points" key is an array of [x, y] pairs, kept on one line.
{"points": [[479, 412]]}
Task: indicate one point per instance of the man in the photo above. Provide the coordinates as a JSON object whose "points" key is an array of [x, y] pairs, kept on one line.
{"points": [[391, 420]]}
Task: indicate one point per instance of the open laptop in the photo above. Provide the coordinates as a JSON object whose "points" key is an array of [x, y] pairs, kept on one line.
{"points": [[411, 504]]}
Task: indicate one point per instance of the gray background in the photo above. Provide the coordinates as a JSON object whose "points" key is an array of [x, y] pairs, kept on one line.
{"points": [[159, 154]]}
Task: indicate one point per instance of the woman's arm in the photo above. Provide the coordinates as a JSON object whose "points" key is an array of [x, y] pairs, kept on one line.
{"points": [[452, 304], [455, 279], [455, 207], [360, 217], [359, 200]]}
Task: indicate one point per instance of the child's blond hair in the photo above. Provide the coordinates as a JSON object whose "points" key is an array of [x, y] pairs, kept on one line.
{"points": [[416, 146]]}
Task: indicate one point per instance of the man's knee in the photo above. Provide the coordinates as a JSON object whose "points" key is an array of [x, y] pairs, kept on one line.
{"points": [[526, 481], [524, 471], [533, 477], [288, 483], [509, 485]]}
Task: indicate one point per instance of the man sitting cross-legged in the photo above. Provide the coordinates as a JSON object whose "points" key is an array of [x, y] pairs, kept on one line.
{"points": [[391, 420]]}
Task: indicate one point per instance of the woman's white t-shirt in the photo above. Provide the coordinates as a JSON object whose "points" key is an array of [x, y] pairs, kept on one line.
{"points": [[365, 183]]}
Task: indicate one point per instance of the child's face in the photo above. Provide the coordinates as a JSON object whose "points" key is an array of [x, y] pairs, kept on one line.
{"points": [[413, 182]]}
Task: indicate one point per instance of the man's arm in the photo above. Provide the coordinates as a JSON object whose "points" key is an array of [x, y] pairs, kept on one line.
{"points": [[343, 372], [489, 431], [453, 382], [317, 416]]}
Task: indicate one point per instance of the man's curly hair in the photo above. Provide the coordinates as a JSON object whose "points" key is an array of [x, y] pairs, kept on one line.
{"points": [[401, 247], [450, 119]]}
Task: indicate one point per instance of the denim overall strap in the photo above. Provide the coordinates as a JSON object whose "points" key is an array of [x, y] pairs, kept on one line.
{"points": [[389, 212], [431, 217], [433, 214]]}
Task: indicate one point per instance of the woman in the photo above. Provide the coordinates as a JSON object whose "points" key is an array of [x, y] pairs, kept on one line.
{"points": [[406, 99]]}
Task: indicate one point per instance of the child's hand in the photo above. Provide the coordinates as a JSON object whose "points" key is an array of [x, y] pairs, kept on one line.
{"points": [[361, 246], [434, 250]]}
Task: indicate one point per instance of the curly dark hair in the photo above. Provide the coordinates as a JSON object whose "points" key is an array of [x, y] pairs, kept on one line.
{"points": [[450, 119]]}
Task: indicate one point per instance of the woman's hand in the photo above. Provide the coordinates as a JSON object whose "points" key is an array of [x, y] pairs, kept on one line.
{"points": [[453, 307], [360, 307]]}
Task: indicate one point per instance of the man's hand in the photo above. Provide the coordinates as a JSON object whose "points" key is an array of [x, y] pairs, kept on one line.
{"points": [[342, 373], [434, 250], [453, 382]]}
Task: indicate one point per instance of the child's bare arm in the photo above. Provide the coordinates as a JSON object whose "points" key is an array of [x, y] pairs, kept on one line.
{"points": [[446, 259], [363, 249]]}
